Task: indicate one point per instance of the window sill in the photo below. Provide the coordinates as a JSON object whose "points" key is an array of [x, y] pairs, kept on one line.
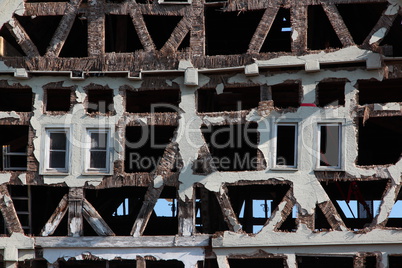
{"points": [[284, 169]]}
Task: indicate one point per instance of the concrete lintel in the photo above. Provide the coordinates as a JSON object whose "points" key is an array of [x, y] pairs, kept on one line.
{"points": [[191, 77], [21, 73], [312, 66], [373, 61], [251, 69]]}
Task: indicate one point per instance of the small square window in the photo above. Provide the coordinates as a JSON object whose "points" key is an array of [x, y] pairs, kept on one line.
{"points": [[97, 153], [58, 99], [57, 150], [286, 145], [100, 101], [329, 145]]}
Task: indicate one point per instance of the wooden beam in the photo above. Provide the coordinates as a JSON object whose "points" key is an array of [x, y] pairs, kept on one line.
{"points": [[338, 24], [262, 30], [22, 38], [63, 30], [197, 33], [186, 216], [96, 28], [298, 18], [54, 220], [287, 209], [75, 220], [332, 215], [95, 220], [227, 210], [178, 35], [141, 28], [45, 9], [8, 211], [386, 22]]}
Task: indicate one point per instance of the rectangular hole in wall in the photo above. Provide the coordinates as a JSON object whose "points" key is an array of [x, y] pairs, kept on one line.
{"points": [[390, 45], [330, 93], [324, 261], [8, 45], [373, 91], [370, 262], [330, 145], [58, 99], [164, 264], [120, 34], [145, 146], [286, 95], [275, 262], [229, 32], [231, 99], [286, 145], [279, 36], [100, 101], [394, 261], [233, 147], [148, 101], [379, 141], [208, 263], [32, 264], [14, 143], [16, 99], [76, 44]]}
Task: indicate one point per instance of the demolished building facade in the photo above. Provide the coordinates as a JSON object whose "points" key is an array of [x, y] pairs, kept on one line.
{"points": [[200, 133]]}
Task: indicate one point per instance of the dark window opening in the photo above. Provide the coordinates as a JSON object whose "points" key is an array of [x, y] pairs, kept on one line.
{"points": [[229, 32], [231, 99], [208, 213], [357, 202], [360, 19], [279, 36], [58, 99], [290, 224], [373, 91], [394, 261], [257, 262], [83, 264], [164, 214], [370, 262], [119, 207], [164, 264], [320, 34], [208, 263], [14, 143], [35, 204], [145, 147], [8, 45], [120, 34], [379, 141], [16, 99], [122, 264], [158, 101], [76, 44], [100, 101], [324, 261], [286, 145], [330, 145], [286, 95], [161, 27], [32, 264], [233, 147], [320, 221], [254, 204], [391, 42], [185, 44], [331, 93], [34, 28]]}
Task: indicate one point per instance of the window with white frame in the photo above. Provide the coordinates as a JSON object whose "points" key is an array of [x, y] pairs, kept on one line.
{"points": [[57, 150], [286, 145], [329, 145], [97, 153]]}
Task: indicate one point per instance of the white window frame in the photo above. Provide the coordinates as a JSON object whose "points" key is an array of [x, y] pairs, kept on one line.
{"points": [[340, 147], [87, 154], [7, 161], [275, 145], [46, 158]]}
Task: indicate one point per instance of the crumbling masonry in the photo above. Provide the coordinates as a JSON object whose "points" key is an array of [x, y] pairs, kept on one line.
{"points": [[200, 133]]}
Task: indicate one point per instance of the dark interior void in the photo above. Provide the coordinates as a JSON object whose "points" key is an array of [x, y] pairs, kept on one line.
{"points": [[97, 264], [14, 143], [320, 221], [161, 27], [34, 28], [289, 225], [164, 264], [185, 43], [10, 46], [16, 99], [58, 99], [159, 101], [286, 145], [286, 95], [361, 18], [145, 146], [100, 100], [254, 204], [320, 34], [35, 205], [208, 263], [231, 99], [379, 141], [330, 93], [391, 42], [229, 32], [3, 227], [209, 218], [394, 261], [120, 34], [370, 262], [31, 264], [233, 147], [76, 44], [324, 261], [279, 36], [257, 262], [163, 220], [373, 91], [355, 201], [119, 207]]}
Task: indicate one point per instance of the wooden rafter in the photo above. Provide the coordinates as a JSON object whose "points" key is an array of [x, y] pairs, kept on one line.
{"points": [[22, 38], [54, 220], [197, 33], [287, 210], [332, 215], [8, 211], [95, 220], [75, 220], [227, 210], [142, 31], [178, 35]]}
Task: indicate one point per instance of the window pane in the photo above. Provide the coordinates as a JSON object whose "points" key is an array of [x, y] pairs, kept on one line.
{"points": [[98, 160], [57, 160], [329, 145], [285, 155], [98, 140], [58, 141]]}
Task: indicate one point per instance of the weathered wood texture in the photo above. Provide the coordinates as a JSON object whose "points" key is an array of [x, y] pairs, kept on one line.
{"points": [[227, 211], [22, 38], [95, 220], [8, 211], [75, 220], [337, 23], [54, 220], [332, 215]]}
